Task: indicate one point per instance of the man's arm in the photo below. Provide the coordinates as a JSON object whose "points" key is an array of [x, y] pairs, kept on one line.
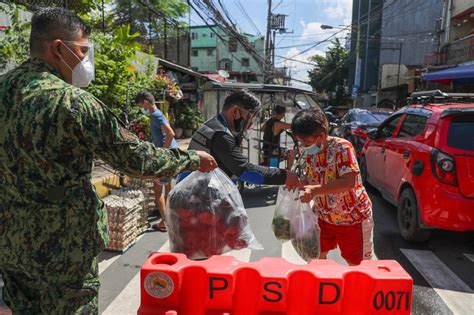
{"points": [[168, 131], [103, 134], [279, 126], [228, 156]]}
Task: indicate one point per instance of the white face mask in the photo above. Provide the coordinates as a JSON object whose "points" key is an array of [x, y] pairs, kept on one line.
{"points": [[144, 111], [84, 72]]}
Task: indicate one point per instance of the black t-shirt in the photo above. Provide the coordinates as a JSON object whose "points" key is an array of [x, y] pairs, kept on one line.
{"points": [[229, 158], [270, 141]]}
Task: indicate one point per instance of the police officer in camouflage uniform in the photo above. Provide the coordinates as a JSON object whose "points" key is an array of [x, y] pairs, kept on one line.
{"points": [[52, 224]]}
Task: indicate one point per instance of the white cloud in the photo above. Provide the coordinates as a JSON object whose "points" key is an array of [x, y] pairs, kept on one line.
{"points": [[340, 10], [300, 70], [338, 14], [312, 29]]}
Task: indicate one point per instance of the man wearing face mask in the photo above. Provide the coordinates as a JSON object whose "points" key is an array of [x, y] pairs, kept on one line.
{"points": [[163, 137], [52, 223], [222, 135]]}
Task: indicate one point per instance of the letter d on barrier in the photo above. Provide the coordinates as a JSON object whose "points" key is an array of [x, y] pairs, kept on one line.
{"points": [[322, 285], [212, 287]]}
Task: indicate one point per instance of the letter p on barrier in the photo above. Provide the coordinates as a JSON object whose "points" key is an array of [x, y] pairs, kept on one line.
{"points": [[173, 285]]}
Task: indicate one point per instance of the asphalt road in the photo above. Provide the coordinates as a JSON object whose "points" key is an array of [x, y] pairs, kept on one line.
{"points": [[445, 252], [442, 268]]}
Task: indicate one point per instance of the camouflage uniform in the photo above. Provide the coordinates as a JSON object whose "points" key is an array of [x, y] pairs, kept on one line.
{"points": [[52, 223]]}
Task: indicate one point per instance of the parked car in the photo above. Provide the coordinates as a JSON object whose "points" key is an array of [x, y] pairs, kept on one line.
{"points": [[422, 160], [337, 111], [355, 124]]}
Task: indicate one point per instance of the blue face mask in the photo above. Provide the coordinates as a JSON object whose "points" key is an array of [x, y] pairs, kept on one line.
{"points": [[313, 149]]}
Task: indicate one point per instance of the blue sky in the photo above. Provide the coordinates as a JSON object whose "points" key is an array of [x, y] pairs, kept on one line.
{"points": [[304, 18]]}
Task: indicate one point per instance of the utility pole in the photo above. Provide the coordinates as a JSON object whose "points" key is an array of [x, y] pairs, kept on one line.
{"points": [[103, 17], [266, 68], [166, 39], [189, 36], [399, 62], [177, 46], [273, 49], [150, 37], [130, 16], [364, 87], [356, 86]]}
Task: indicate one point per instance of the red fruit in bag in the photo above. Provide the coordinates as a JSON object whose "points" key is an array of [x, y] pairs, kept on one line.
{"points": [[232, 232], [235, 243], [185, 214], [207, 218]]}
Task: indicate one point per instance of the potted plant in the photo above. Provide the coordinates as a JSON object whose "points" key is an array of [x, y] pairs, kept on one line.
{"points": [[191, 119], [178, 125]]}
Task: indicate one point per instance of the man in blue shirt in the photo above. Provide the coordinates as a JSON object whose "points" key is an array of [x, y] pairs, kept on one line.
{"points": [[163, 137]]}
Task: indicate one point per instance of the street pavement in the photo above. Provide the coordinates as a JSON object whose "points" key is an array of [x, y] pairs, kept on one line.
{"points": [[442, 269]]}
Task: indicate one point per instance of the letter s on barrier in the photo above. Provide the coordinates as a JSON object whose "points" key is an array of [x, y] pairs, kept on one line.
{"points": [[278, 294], [213, 288]]}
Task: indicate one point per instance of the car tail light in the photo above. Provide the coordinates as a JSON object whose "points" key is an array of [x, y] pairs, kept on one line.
{"points": [[359, 132], [443, 167]]}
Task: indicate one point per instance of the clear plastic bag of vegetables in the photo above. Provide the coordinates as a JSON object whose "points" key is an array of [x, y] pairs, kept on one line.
{"points": [[206, 216], [295, 221], [282, 215]]}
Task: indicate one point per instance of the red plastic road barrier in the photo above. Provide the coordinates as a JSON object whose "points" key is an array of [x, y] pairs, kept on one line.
{"points": [[173, 285]]}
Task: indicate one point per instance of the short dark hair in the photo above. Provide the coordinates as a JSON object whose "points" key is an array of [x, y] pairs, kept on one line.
{"points": [[309, 122], [280, 109], [48, 24], [243, 99], [144, 96]]}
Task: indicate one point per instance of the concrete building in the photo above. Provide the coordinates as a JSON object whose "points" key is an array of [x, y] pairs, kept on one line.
{"points": [[364, 50], [409, 40], [457, 33], [212, 50]]}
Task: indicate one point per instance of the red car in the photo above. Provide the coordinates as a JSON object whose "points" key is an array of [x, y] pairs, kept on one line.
{"points": [[422, 160]]}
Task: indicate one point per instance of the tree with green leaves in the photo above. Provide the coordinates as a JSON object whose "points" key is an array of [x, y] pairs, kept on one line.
{"points": [[122, 67], [14, 44], [77, 6], [118, 77], [150, 16], [330, 76]]}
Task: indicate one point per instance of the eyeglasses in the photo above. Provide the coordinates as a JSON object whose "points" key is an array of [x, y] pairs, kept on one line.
{"points": [[251, 115]]}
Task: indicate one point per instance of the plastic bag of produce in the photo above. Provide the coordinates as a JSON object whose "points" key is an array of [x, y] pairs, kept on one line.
{"points": [[281, 218], [305, 232], [295, 221], [206, 216]]}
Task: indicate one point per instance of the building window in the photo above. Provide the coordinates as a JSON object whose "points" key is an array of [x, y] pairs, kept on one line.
{"points": [[245, 62], [195, 53], [194, 35], [232, 45], [210, 52], [195, 68], [212, 34], [226, 64]]}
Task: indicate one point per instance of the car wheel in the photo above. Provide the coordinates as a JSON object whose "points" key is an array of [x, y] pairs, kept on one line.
{"points": [[407, 216], [363, 171]]}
